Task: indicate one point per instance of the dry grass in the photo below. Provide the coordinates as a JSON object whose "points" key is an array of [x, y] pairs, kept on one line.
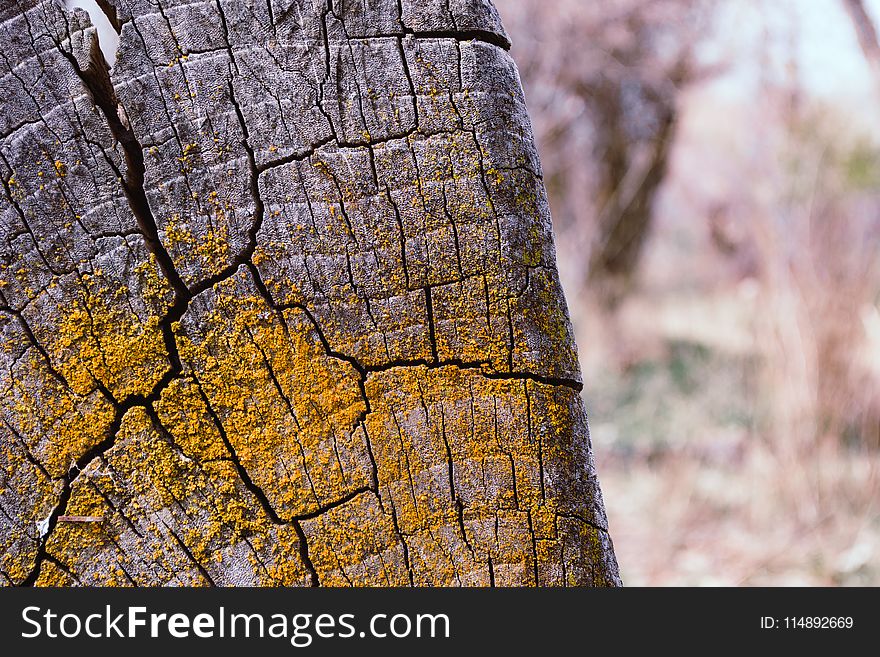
{"points": [[709, 478], [759, 519], [699, 491]]}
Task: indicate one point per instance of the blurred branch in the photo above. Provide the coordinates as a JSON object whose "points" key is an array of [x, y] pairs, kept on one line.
{"points": [[606, 113], [866, 32]]}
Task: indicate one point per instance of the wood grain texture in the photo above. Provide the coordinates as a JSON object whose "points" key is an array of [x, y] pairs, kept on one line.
{"points": [[280, 304]]}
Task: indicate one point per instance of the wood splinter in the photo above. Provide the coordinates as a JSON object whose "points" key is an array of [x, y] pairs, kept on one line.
{"points": [[80, 519]]}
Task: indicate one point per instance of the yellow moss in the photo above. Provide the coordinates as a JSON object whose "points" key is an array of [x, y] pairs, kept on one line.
{"points": [[290, 440], [60, 424], [98, 338], [152, 477], [208, 244]]}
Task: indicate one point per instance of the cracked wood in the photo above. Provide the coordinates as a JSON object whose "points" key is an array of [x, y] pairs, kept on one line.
{"points": [[279, 304]]}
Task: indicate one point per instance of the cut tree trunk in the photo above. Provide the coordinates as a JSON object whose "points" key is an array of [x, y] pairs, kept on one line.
{"points": [[280, 304]]}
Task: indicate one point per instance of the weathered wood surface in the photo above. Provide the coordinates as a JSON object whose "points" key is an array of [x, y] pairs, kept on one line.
{"points": [[280, 304]]}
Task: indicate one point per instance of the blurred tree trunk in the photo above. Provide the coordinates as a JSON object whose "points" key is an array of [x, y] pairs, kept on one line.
{"points": [[280, 304], [606, 117], [866, 33], [630, 179]]}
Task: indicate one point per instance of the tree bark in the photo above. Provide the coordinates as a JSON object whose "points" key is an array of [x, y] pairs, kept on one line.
{"points": [[280, 304]]}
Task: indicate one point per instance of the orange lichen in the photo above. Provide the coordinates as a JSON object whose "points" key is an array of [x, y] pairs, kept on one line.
{"points": [[59, 424], [289, 410], [99, 339]]}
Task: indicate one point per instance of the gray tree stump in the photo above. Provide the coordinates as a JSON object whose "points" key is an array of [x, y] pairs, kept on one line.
{"points": [[280, 304]]}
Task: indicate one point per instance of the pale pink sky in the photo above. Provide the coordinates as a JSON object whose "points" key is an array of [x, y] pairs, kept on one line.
{"points": [[819, 33]]}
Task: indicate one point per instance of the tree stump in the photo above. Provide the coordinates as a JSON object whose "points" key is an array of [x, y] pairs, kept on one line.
{"points": [[280, 304]]}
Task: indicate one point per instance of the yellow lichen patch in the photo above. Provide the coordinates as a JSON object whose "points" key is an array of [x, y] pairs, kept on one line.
{"points": [[280, 564], [167, 476], [171, 516], [176, 233], [71, 538], [432, 416], [53, 575], [206, 241], [213, 248], [289, 410], [533, 313], [585, 550], [155, 289], [24, 487], [99, 338], [190, 151], [454, 448], [470, 319], [183, 412], [58, 424], [355, 544]]}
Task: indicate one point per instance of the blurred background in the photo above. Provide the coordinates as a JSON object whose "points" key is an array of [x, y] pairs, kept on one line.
{"points": [[714, 175]]}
